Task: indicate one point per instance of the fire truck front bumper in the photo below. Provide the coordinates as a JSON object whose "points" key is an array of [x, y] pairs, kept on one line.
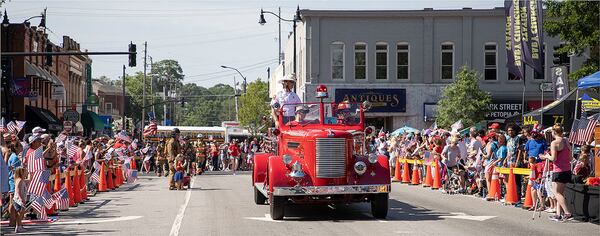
{"points": [[331, 190]]}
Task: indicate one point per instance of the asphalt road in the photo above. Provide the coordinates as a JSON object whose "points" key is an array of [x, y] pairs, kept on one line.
{"points": [[222, 204]]}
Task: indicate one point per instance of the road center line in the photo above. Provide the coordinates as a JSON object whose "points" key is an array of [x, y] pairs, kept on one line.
{"points": [[179, 218]]}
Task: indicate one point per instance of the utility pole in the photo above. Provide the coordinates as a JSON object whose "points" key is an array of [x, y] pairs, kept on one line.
{"points": [[152, 85], [123, 101], [165, 104], [279, 38], [237, 118], [144, 89]]}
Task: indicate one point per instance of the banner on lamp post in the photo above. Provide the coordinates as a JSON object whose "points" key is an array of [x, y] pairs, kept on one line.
{"points": [[560, 81]]}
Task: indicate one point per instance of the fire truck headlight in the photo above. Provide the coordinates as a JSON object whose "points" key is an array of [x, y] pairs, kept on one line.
{"points": [[373, 158], [287, 159], [360, 167]]}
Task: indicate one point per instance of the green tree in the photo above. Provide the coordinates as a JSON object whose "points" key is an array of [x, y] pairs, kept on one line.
{"points": [[254, 105], [463, 100], [206, 106], [576, 23], [167, 72]]}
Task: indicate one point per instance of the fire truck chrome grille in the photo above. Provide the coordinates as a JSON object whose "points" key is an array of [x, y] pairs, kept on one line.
{"points": [[331, 157]]}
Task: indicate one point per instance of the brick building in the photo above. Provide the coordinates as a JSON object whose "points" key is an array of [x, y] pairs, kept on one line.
{"points": [[38, 89]]}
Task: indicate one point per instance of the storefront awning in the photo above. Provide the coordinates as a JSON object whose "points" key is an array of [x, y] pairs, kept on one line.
{"points": [[36, 116], [33, 70], [91, 120]]}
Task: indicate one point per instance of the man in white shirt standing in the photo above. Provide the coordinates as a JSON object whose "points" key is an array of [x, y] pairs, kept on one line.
{"points": [[286, 97]]}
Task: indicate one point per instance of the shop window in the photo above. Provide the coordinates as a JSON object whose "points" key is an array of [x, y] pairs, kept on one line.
{"points": [[447, 65], [381, 60], [337, 61], [403, 53], [360, 61]]}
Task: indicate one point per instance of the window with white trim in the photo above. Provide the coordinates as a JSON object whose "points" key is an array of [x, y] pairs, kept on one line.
{"points": [[447, 61], [403, 52], [337, 61], [491, 63], [381, 61], [108, 108], [360, 61]]}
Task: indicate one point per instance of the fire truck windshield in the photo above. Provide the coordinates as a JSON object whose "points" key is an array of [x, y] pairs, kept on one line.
{"points": [[334, 113]]}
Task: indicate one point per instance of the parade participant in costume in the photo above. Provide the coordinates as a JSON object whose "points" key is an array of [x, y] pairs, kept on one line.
{"points": [[301, 112], [286, 96], [161, 159], [173, 149]]}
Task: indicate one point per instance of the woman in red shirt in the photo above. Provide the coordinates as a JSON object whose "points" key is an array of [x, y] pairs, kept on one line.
{"points": [[234, 153]]}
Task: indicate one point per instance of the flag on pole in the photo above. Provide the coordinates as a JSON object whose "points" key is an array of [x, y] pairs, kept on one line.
{"points": [[71, 149], [48, 200], [35, 161], [20, 125], [2, 127], [151, 129], [38, 205], [61, 198], [61, 138], [12, 127], [39, 180], [588, 132], [457, 126], [573, 134]]}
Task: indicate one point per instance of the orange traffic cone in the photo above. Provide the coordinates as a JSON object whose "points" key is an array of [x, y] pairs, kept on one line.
{"points": [[437, 182], [69, 187], [83, 186], [110, 183], [528, 196], [133, 165], [428, 179], [76, 187], [119, 175], [51, 211], [397, 170], [57, 183], [102, 185], [511, 189], [416, 176], [116, 178], [494, 188], [405, 173]]}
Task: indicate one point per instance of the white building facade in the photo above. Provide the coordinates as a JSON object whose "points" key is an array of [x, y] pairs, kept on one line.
{"points": [[402, 60]]}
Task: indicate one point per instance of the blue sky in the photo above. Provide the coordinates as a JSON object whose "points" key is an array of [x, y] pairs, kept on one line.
{"points": [[200, 34]]}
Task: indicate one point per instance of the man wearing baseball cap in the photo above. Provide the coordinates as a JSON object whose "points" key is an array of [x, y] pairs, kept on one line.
{"points": [[38, 130]]}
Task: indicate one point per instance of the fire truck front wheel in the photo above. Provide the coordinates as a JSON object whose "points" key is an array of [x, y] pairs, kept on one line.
{"points": [[379, 205], [259, 198], [277, 205]]}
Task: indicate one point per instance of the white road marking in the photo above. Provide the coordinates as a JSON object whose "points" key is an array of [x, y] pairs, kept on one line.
{"points": [[179, 218], [463, 216], [267, 218], [95, 221]]}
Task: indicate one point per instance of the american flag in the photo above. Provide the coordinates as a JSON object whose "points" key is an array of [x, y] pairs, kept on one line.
{"points": [[2, 127], [35, 160], [48, 200], [38, 205], [573, 134], [134, 144], [39, 179], [61, 198], [20, 125], [71, 149], [96, 175], [12, 127], [61, 138], [588, 131], [151, 129], [131, 175]]}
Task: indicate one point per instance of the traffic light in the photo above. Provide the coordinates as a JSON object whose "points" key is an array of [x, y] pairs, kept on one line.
{"points": [[48, 57], [132, 55], [559, 58]]}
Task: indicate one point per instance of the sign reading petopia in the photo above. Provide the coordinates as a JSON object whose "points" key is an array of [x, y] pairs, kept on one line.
{"points": [[503, 109], [383, 100]]}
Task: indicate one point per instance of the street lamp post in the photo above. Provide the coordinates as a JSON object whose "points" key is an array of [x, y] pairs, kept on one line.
{"points": [[297, 18], [243, 77]]}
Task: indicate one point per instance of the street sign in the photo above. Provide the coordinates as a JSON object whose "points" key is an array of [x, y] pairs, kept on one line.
{"points": [[71, 115], [67, 126], [546, 87]]}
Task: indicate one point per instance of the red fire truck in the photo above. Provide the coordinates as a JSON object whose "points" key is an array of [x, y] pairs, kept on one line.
{"points": [[321, 158]]}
